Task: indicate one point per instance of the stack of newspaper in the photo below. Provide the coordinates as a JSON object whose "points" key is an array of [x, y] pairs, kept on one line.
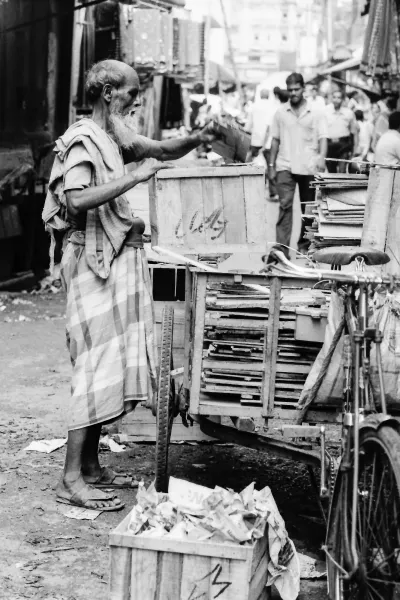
{"points": [[338, 212]]}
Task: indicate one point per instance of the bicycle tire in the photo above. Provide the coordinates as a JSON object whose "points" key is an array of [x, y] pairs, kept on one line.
{"points": [[165, 401], [378, 535]]}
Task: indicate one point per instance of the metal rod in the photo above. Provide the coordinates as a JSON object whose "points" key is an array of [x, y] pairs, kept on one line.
{"points": [[356, 440]]}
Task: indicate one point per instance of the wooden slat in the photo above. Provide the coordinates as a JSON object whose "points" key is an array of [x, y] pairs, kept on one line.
{"points": [[120, 572], [214, 205], [234, 366], [234, 211], [255, 208], [169, 213], [193, 217], [198, 342], [225, 408], [392, 246], [169, 576], [210, 172], [144, 569], [380, 189], [188, 331], [271, 345], [195, 575]]}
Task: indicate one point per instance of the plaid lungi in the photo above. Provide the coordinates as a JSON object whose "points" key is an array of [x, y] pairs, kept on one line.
{"points": [[110, 336]]}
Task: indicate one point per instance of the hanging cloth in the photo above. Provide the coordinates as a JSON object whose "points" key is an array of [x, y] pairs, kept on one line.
{"points": [[381, 50]]}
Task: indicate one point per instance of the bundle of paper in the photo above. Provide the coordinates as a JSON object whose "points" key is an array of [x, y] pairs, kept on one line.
{"points": [[193, 512], [338, 211], [233, 141]]}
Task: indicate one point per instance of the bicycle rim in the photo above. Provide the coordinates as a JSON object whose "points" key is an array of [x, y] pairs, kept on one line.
{"points": [[377, 576]]}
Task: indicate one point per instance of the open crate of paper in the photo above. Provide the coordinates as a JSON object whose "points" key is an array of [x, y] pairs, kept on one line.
{"points": [[195, 542]]}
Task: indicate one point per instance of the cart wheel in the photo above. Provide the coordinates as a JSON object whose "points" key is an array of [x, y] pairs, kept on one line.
{"points": [[165, 401]]}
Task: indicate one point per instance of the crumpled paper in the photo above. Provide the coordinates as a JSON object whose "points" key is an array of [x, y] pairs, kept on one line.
{"points": [[196, 513]]}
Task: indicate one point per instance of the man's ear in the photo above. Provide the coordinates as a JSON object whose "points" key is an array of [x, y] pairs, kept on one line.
{"points": [[107, 92]]}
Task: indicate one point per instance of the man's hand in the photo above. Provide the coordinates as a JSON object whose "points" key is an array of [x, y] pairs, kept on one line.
{"points": [[320, 163], [148, 169], [271, 173], [209, 133]]}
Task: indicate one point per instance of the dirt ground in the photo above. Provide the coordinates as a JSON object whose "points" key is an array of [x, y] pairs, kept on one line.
{"points": [[35, 370]]}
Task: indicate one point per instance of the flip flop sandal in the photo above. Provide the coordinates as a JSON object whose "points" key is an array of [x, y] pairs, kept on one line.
{"points": [[108, 477], [86, 494]]}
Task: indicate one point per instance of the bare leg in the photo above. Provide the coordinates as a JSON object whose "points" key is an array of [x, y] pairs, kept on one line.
{"points": [[90, 455], [78, 441]]}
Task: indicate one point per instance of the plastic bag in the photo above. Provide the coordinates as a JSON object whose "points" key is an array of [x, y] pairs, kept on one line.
{"points": [[331, 389], [387, 318]]}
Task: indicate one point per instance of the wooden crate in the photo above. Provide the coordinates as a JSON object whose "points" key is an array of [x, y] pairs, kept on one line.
{"points": [[145, 568], [209, 210]]}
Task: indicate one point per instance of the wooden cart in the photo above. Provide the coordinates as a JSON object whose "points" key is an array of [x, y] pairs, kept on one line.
{"points": [[245, 393]]}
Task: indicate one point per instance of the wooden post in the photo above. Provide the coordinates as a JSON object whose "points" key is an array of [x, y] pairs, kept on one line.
{"points": [[52, 69], [377, 208], [77, 32], [270, 348]]}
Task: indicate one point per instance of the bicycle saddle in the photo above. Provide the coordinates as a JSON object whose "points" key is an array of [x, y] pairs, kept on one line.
{"points": [[344, 255]]}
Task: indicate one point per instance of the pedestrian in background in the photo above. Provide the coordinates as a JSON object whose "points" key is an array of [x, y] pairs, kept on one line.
{"points": [[365, 135], [259, 122], [314, 99], [298, 151], [342, 132], [387, 151]]}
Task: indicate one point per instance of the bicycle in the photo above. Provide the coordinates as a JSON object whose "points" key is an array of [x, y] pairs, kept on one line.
{"points": [[363, 532]]}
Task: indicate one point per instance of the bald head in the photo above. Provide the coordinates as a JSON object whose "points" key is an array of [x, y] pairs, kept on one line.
{"points": [[109, 72], [113, 89]]}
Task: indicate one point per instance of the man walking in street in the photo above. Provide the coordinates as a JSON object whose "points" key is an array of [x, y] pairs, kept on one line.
{"points": [[342, 133], [298, 151], [110, 325]]}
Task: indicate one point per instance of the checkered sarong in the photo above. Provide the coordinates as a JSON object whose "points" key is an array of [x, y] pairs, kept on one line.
{"points": [[110, 335]]}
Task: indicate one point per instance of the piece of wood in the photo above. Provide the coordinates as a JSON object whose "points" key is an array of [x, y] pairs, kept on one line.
{"points": [[256, 217], [120, 572], [380, 189], [392, 246], [213, 203], [188, 329], [271, 346], [234, 211], [197, 358], [229, 171], [144, 565], [169, 576], [226, 408]]}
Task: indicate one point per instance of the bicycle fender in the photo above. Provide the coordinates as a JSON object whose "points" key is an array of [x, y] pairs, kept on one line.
{"points": [[376, 421]]}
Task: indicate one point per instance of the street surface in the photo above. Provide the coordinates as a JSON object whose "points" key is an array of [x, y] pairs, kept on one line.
{"points": [[35, 372]]}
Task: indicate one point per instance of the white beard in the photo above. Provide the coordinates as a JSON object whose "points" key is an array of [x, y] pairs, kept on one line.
{"points": [[124, 128]]}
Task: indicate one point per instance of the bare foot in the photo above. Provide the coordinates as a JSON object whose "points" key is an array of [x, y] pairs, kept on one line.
{"points": [[78, 493]]}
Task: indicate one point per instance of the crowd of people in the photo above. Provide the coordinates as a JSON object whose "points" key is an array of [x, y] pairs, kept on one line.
{"points": [[354, 126], [299, 134]]}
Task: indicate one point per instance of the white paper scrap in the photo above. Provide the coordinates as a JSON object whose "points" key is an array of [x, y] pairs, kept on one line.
{"points": [[46, 446], [80, 513], [310, 568]]}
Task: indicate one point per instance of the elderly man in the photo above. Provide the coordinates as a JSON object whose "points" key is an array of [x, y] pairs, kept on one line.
{"points": [[109, 306]]}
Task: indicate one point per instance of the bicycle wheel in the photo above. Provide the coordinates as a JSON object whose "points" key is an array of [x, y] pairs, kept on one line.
{"points": [[165, 401], [377, 576]]}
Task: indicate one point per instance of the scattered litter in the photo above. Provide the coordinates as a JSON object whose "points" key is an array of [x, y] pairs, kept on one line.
{"points": [[196, 513], [310, 568], [32, 579], [22, 301], [46, 446], [3, 479], [199, 466], [80, 513], [177, 372], [63, 548], [23, 318], [107, 442], [3, 307]]}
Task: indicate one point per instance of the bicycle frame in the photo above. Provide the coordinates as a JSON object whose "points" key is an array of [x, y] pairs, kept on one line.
{"points": [[357, 403]]}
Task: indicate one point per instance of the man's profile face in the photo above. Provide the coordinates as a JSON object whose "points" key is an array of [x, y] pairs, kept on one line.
{"points": [[337, 99], [125, 99], [296, 92]]}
